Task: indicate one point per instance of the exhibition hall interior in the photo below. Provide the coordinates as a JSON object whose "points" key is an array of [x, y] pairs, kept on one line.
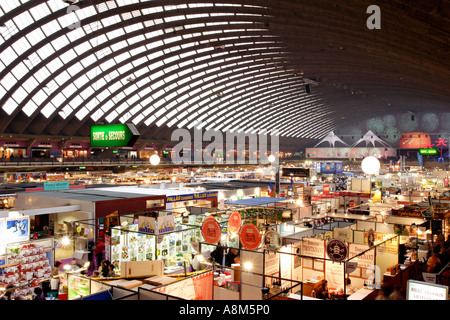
{"points": [[233, 150]]}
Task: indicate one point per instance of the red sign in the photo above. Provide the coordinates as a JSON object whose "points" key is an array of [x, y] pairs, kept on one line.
{"points": [[249, 236], [234, 222], [326, 188], [211, 231]]}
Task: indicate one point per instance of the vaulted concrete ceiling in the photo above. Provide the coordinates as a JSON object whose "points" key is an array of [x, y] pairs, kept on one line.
{"points": [[229, 65]]}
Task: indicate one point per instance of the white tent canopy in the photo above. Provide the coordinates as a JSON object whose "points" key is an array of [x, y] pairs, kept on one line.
{"points": [[370, 138], [331, 138]]}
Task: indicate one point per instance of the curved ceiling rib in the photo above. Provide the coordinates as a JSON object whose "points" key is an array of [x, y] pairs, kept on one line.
{"points": [[238, 65], [246, 49]]}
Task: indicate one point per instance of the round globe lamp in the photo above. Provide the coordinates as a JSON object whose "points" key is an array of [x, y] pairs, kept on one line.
{"points": [[271, 158], [154, 160], [370, 165]]}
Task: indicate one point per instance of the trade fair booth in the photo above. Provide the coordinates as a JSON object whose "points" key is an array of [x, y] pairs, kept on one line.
{"points": [[24, 261]]}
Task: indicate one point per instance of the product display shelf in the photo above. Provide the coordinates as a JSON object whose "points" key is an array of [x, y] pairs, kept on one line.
{"points": [[27, 264]]}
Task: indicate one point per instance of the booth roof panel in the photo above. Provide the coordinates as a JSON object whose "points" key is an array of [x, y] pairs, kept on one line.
{"points": [[91, 195], [256, 201], [141, 192], [67, 195]]}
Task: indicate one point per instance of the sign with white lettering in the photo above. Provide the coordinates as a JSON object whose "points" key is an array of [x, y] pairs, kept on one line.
{"points": [[418, 290], [56, 185], [114, 135], [194, 196], [337, 250]]}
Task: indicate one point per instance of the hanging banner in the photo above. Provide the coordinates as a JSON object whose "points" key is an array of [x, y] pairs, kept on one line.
{"points": [[313, 248], [272, 240], [234, 222], [334, 274], [249, 236], [147, 224], [166, 223], [343, 234], [271, 264], [418, 290], [107, 247], [199, 287], [391, 245], [211, 230], [365, 260], [17, 229]]}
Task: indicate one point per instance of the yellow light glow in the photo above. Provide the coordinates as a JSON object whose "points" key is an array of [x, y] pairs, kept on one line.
{"points": [[248, 266], [65, 241]]}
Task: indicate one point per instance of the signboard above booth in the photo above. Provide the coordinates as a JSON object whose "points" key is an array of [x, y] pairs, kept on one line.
{"points": [[114, 135], [428, 152], [295, 172]]}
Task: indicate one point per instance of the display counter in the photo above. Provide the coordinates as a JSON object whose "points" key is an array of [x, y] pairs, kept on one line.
{"points": [[82, 256], [364, 294]]}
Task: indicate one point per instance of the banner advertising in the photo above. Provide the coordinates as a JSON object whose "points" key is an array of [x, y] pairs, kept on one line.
{"points": [[337, 250], [147, 224], [56, 185], [114, 135], [391, 245], [334, 274], [313, 248], [343, 234], [249, 236], [418, 290], [234, 222], [166, 223], [199, 287], [193, 196], [17, 229], [211, 230], [78, 286], [365, 260]]}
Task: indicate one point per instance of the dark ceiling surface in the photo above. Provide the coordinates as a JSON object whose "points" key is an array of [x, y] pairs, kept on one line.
{"points": [[227, 65]]}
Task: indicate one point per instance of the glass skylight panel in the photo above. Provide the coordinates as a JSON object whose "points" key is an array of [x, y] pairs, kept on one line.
{"points": [[150, 120], [9, 5], [161, 121], [8, 55], [19, 70], [110, 117], [182, 123], [137, 119], [69, 90], [97, 41], [128, 92], [122, 107], [123, 119], [29, 108], [124, 69], [23, 20], [107, 106]]}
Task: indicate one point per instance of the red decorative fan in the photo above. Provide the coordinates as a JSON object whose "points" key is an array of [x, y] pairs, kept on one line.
{"points": [[442, 143]]}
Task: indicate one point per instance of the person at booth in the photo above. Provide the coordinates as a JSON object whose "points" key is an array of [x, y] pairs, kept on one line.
{"points": [[321, 289]]}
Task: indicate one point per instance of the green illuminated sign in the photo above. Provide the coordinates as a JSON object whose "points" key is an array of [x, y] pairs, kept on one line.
{"points": [[428, 152], [114, 135]]}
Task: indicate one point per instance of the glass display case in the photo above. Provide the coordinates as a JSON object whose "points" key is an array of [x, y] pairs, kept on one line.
{"points": [[128, 244]]}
